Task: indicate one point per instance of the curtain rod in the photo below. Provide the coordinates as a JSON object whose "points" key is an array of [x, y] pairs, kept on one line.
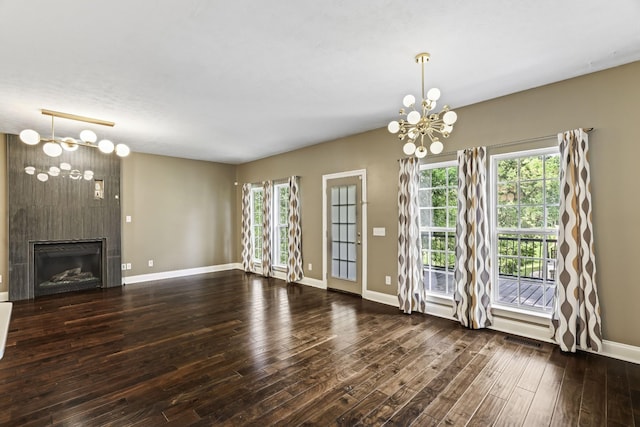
{"points": [[507, 144]]}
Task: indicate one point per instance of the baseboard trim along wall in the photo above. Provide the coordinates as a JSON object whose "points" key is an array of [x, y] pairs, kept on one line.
{"points": [[502, 322], [129, 280]]}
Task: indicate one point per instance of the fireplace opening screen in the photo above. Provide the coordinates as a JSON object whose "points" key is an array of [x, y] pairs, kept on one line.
{"points": [[66, 266]]}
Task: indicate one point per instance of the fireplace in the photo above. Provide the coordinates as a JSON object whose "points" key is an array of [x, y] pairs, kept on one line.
{"points": [[64, 266]]}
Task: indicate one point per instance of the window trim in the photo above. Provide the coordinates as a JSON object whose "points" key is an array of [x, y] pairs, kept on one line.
{"points": [[439, 165], [492, 181]]}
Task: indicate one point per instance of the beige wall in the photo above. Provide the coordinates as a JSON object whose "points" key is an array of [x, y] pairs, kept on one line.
{"points": [[182, 213], [186, 213], [605, 100], [4, 220]]}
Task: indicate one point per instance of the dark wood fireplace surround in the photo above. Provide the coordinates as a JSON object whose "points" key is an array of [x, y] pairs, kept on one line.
{"points": [[61, 210]]}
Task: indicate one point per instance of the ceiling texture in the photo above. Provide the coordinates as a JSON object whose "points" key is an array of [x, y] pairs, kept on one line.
{"points": [[234, 81]]}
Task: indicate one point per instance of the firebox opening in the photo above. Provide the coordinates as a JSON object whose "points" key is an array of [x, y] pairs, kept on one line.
{"points": [[66, 266]]}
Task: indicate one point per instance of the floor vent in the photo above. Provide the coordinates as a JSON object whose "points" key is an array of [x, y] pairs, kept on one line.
{"points": [[523, 341]]}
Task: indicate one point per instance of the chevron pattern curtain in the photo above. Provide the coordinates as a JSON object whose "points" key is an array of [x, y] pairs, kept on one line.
{"points": [[294, 253], [472, 295], [576, 317], [247, 242], [267, 202], [411, 292]]}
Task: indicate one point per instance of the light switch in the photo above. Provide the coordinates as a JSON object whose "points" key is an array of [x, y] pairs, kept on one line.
{"points": [[379, 231], [127, 218]]}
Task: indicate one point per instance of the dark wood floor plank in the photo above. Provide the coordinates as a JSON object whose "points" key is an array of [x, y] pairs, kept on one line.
{"points": [[464, 409], [516, 408], [619, 404], [594, 400], [534, 369], [544, 401], [511, 374], [488, 411], [229, 348]]}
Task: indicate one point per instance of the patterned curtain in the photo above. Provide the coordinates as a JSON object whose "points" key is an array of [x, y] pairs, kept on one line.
{"points": [[411, 292], [247, 241], [472, 295], [267, 197], [576, 317], [294, 253]]}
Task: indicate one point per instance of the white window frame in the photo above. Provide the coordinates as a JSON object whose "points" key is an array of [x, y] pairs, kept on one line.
{"points": [[495, 231], [434, 229], [277, 226]]}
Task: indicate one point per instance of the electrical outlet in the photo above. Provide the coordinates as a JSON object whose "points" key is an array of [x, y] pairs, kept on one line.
{"points": [[128, 266], [310, 267], [124, 267], [150, 263], [0, 278], [387, 280]]}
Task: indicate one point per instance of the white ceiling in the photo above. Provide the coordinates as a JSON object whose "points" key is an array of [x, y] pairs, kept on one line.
{"points": [[233, 81]]}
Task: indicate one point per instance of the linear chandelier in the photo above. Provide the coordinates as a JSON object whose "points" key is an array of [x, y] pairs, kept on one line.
{"points": [[65, 170], [53, 147], [421, 122]]}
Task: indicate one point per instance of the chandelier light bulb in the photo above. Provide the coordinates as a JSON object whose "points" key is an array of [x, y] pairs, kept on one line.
{"points": [[409, 148], [421, 152], [431, 105], [52, 149], [30, 137], [30, 170], [88, 136], [122, 150], [42, 176], [106, 146], [436, 147], [409, 101], [413, 117], [54, 171], [394, 126], [449, 117], [69, 144], [433, 94]]}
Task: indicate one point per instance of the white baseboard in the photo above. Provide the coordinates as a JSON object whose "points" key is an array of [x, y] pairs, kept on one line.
{"points": [[628, 353], [375, 296], [140, 278], [4, 296], [320, 284]]}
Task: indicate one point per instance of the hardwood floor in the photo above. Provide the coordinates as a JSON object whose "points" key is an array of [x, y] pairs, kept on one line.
{"points": [[235, 349]]}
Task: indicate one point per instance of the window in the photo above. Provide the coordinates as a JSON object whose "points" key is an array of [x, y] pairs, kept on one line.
{"points": [[280, 224], [525, 190], [438, 196], [344, 224], [256, 223]]}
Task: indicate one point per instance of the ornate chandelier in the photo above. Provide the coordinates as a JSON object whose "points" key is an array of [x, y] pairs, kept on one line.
{"points": [[53, 146], [421, 121]]}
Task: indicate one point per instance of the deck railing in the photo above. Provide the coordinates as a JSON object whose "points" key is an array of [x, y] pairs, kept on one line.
{"points": [[525, 257]]}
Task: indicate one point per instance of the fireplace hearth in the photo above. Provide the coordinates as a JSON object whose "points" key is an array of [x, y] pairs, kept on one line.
{"points": [[64, 266]]}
